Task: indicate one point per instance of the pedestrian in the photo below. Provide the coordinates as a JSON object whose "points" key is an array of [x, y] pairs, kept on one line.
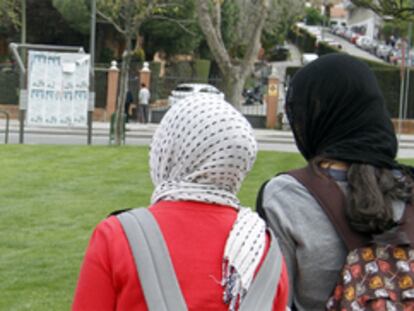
{"points": [[222, 255], [129, 99], [343, 130], [144, 99]]}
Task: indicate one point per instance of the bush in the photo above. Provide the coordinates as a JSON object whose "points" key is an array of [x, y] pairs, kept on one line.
{"points": [[9, 86], [202, 69]]}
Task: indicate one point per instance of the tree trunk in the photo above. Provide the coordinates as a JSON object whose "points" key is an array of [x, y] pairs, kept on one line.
{"points": [[123, 88], [129, 32], [234, 84], [234, 74]]}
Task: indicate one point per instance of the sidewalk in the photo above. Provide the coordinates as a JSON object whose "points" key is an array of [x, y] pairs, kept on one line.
{"points": [[141, 134]]}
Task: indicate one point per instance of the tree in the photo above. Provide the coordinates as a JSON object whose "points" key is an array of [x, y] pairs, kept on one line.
{"points": [[164, 33], [313, 16], [249, 19], [127, 16], [75, 12], [400, 9], [9, 15], [281, 17]]}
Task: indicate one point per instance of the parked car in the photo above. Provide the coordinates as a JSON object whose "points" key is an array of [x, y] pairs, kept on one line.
{"points": [[278, 53], [395, 56], [363, 42], [373, 46], [384, 51], [354, 37], [186, 89], [308, 57]]}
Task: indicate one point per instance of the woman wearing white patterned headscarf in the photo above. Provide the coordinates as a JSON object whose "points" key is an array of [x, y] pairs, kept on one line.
{"points": [[200, 154]]}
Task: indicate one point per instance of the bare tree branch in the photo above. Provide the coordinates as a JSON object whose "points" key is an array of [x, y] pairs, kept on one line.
{"points": [[395, 8], [111, 21], [213, 37], [258, 20]]}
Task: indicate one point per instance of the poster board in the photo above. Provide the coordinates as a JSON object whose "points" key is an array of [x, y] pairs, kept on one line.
{"points": [[58, 88]]}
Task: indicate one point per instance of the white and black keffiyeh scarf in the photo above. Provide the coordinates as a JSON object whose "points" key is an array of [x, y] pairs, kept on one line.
{"points": [[201, 151]]}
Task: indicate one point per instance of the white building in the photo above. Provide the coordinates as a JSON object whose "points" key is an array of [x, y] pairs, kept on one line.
{"points": [[338, 15], [363, 20]]}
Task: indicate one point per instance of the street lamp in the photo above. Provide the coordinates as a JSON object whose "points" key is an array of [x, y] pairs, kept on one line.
{"points": [[324, 19], [92, 36]]}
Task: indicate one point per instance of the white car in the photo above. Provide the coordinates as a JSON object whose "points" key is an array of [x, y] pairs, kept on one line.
{"points": [[186, 89], [308, 57]]}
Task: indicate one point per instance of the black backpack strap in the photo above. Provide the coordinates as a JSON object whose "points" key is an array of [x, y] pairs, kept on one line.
{"points": [[332, 200], [259, 201], [155, 270]]}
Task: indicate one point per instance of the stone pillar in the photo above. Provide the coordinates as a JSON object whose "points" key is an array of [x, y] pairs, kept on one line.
{"points": [[272, 101], [145, 75], [112, 90]]}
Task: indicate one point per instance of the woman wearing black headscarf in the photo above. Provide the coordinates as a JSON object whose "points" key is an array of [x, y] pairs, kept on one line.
{"points": [[342, 128]]}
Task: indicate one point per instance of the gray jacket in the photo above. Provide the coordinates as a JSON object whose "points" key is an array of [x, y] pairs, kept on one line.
{"points": [[313, 251]]}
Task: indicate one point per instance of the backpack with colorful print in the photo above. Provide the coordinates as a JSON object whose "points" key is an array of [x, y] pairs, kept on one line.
{"points": [[378, 273]]}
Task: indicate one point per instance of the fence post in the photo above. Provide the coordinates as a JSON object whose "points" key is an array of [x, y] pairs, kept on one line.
{"points": [[112, 90], [272, 101], [145, 75]]}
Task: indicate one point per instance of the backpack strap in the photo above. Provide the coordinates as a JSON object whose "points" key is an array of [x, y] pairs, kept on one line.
{"points": [[259, 201], [157, 276], [152, 259], [262, 292], [332, 200], [407, 221]]}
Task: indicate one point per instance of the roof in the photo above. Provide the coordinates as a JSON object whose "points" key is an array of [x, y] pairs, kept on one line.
{"points": [[338, 12]]}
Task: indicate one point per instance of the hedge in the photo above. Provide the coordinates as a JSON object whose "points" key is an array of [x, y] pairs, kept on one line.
{"points": [[9, 86], [389, 82]]}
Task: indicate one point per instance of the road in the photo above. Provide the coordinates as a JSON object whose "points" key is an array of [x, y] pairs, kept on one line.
{"points": [[352, 49]]}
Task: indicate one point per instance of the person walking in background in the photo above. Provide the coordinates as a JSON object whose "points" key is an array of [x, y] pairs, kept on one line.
{"points": [[343, 129], [218, 255], [144, 99], [129, 99]]}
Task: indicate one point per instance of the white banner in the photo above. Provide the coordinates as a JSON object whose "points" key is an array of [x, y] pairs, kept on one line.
{"points": [[58, 89]]}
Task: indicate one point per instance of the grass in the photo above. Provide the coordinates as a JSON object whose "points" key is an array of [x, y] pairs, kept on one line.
{"points": [[51, 198]]}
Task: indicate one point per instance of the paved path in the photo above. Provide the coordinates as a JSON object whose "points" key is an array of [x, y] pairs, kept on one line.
{"points": [[140, 134]]}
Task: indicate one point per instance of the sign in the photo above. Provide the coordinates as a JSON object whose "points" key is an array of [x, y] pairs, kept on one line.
{"points": [[272, 90], [58, 89]]}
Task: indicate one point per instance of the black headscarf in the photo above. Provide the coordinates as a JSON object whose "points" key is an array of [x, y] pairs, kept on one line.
{"points": [[336, 110]]}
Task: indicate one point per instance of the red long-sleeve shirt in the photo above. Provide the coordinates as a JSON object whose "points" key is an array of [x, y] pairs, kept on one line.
{"points": [[195, 234]]}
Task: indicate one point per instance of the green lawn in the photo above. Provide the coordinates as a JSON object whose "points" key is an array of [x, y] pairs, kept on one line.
{"points": [[51, 197]]}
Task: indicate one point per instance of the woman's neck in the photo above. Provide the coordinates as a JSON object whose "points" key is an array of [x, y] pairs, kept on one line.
{"points": [[336, 165]]}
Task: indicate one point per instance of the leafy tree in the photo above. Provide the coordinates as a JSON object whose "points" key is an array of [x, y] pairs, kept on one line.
{"points": [[400, 9], [313, 16], [75, 12], [9, 15], [164, 32], [128, 16], [281, 17]]}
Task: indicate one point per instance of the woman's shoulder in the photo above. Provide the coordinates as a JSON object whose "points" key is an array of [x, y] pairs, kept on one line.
{"points": [[286, 195], [284, 182]]}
